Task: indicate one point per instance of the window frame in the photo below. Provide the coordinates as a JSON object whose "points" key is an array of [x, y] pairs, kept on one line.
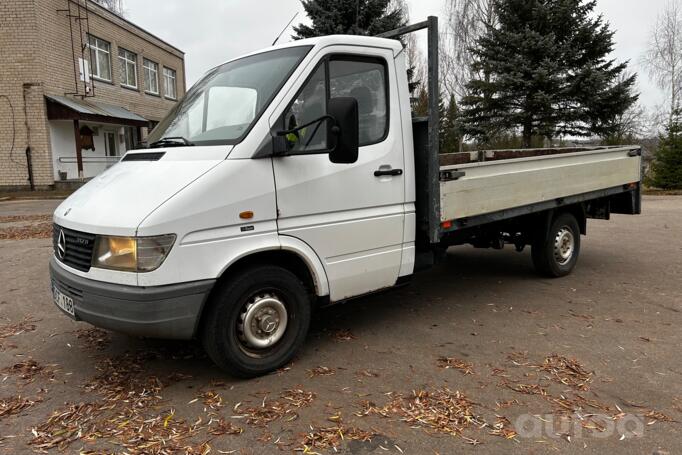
{"points": [[175, 83], [97, 50], [156, 72], [123, 60], [325, 61]]}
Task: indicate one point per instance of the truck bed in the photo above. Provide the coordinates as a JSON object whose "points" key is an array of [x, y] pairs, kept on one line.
{"points": [[485, 183]]}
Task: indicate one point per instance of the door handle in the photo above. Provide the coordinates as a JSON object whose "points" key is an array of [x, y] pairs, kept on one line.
{"points": [[384, 172]]}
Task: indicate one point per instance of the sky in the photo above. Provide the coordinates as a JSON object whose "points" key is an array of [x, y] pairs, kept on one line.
{"points": [[213, 31]]}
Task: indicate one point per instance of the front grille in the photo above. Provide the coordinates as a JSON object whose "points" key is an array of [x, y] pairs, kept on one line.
{"points": [[78, 247]]}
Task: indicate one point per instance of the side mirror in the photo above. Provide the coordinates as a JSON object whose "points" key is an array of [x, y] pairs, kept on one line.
{"points": [[343, 135]]}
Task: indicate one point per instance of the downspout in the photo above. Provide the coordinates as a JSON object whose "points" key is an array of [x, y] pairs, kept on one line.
{"points": [[29, 160]]}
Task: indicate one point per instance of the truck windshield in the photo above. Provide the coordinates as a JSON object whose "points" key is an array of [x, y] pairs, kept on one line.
{"points": [[223, 106]]}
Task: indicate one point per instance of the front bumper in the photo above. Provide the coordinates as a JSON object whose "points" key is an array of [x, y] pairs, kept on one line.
{"points": [[170, 311]]}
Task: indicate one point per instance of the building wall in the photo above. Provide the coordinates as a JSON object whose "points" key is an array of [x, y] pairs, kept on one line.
{"points": [[59, 58], [21, 80], [36, 49]]}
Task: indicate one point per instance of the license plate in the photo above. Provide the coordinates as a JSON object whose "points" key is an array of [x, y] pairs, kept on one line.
{"points": [[63, 301]]}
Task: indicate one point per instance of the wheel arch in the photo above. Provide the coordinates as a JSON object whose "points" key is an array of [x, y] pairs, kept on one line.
{"points": [[578, 211], [291, 254]]}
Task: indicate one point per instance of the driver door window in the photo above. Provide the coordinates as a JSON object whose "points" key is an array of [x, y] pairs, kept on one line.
{"points": [[361, 78], [309, 105]]}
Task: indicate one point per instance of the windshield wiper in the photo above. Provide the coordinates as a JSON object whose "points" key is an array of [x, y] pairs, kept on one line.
{"points": [[173, 141]]}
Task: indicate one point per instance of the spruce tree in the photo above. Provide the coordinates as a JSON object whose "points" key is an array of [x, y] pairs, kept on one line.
{"points": [[354, 17], [421, 106], [451, 136], [546, 72], [667, 167], [350, 17]]}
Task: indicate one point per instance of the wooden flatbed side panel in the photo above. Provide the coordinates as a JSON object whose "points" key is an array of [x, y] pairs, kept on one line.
{"points": [[500, 185]]}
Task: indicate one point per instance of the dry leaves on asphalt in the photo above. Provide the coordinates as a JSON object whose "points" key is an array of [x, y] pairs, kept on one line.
{"points": [[14, 405], [127, 411], [366, 374], [283, 408], [223, 427], [566, 371], [18, 328], [320, 371], [503, 428], [28, 370], [343, 335], [570, 372], [94, 338], [212, 399], [36, 231], [656, 416], [22, 218], [437, 411], [453, 363], [330, 438]]}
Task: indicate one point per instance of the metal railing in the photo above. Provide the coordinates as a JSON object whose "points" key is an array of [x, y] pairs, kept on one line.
{"points": [[90, 159]]}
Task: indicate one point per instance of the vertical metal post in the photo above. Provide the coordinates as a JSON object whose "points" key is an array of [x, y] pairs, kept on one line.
{"points": [[434, 122], [431, 187]]}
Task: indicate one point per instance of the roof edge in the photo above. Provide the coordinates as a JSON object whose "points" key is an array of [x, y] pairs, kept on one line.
{"points": [[103, 12]]}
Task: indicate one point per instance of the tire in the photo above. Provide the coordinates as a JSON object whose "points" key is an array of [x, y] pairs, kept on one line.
{"points": [[555, 252], [258, 294]]}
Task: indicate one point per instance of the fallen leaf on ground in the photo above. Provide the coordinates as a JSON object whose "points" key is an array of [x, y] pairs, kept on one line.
{"points": [[453, 363], [320, 371], [343, 335]]}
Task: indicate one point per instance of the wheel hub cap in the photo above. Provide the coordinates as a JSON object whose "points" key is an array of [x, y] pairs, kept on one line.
{"points": [[263, 321], [564, 245]]}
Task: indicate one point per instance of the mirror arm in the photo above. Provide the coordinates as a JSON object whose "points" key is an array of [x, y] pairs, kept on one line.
{"points": [[299, 128]]}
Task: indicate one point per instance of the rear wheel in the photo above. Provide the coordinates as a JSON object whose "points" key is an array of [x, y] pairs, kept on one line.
{"points": [[256, 321], [556, 251]]}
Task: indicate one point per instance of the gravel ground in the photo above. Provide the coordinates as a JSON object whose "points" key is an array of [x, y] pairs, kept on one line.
{"points": [[478, 355]]}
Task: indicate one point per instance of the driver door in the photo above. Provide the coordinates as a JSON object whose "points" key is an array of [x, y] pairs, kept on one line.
{"points": [[351, 214]]}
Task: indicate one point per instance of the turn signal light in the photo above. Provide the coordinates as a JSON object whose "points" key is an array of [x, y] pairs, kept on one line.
{"points": [[246, 215]]}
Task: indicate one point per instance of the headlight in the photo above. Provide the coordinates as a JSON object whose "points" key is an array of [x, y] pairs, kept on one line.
{"points": [[132, 254]]}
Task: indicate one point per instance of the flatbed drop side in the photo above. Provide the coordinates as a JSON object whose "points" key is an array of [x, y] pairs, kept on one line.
{"points": [[491, 197], [296, 177]]}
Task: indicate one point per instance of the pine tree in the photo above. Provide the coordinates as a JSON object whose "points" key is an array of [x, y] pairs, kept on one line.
{"points": [[421, 107], [451, 136], [350, 17], [547, 73], [354, 17], [667, 168]]}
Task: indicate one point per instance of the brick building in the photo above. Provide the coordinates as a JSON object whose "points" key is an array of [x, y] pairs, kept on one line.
{"points": [[79, 86]]}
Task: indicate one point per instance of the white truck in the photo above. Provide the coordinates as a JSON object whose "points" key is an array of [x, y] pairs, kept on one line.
{"points": [[296, 177]]}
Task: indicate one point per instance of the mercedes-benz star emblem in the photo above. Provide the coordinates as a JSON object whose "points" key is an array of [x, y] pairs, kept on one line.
{"points": [[61, 245]]}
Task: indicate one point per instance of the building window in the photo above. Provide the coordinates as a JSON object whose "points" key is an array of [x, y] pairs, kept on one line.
{"points": [[128, 62], [151, 76], [100, 58], [169, 83]]}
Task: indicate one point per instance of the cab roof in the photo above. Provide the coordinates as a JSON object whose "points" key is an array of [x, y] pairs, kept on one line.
{"points": [[329, 40]]}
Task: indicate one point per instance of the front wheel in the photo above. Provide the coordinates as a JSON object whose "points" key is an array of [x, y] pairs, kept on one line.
{"points": [[256, 321], [555, 252]]}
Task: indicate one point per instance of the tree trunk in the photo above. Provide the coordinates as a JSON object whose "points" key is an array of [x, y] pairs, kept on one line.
{"points": [[527, 134]]}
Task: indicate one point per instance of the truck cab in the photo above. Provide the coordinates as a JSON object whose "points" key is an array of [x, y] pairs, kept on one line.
{"points": [[232, 193]]}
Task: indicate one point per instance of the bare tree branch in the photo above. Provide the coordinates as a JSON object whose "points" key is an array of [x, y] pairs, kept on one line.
{"points": [[466, 21], [663, 58], [115, 6]]}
